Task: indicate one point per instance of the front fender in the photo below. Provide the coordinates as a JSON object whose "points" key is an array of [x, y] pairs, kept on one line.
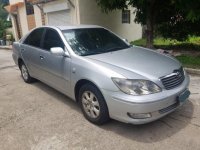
{"points": [[100, 76]]}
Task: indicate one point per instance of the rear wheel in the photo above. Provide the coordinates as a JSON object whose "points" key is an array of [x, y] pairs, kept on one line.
{"points": [[25, 74], [93, 104]]}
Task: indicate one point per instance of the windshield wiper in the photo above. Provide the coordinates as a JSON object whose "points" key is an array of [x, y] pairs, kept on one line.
{"points": [[104, 51], [115, 49], [91, 53]]}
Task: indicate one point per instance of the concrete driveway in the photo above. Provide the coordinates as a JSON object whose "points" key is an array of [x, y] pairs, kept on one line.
{"points": [[37, 117]]}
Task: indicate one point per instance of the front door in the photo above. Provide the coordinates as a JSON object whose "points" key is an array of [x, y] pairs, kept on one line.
{"points": [[55, 69]]}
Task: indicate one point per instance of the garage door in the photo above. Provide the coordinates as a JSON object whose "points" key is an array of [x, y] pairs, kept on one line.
{"points": [[59, 18]]}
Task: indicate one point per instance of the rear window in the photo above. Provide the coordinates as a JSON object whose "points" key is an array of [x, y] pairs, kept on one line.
{"points": [[34, 38]]}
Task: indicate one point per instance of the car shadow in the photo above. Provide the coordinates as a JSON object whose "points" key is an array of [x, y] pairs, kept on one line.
{"points": [[157, 130], [57, 95], [147, 133]]}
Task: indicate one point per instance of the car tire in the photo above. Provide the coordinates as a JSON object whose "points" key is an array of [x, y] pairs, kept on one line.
{"points": [[93, 105], [25, 74]]}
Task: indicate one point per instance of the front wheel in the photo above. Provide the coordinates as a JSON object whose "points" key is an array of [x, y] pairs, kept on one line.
{"points": [[93, 104]]}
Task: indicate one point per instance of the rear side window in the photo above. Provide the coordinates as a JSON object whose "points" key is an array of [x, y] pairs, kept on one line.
{"points": [[34, 38], [52, 39]]}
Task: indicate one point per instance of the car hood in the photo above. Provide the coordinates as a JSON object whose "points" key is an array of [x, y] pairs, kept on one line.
{"points": [[138, 60]]}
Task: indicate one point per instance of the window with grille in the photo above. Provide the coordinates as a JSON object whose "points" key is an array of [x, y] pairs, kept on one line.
{"points": [[126, 16], [29, 8]]}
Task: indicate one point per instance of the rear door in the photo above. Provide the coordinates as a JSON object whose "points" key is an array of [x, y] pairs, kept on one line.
{"points": [[30, 51], [55, 69]]}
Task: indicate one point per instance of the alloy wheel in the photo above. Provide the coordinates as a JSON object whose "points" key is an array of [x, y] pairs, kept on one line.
{"points": [[24, 72], [90, 104]]}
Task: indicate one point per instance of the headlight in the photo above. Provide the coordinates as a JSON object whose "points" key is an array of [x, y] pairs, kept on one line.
{"points": [[136, 87]]}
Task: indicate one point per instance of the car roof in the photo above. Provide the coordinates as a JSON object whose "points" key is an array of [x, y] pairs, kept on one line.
{"points": [[76, 27]]}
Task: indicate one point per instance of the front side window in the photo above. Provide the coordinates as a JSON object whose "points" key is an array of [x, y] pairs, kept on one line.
{"points": [[90, 41], [34, 38], [52, 39]]}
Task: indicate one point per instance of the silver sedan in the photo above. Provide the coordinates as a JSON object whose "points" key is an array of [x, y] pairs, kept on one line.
{"points": [[103, 73]]}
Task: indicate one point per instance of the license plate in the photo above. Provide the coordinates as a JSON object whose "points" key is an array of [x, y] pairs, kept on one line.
{"points": [[184, 96]]}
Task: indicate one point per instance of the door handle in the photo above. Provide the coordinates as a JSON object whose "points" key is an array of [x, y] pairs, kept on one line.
{"points": [[41, 57]]}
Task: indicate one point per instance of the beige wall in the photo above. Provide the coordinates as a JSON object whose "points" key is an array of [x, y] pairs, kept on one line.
{"points": [[74, 12], [31, 22], [90, 13], [22, 16], [38, 17], [14, 28], [20, 11], [15, 1], [86, 12], [23, 20]]}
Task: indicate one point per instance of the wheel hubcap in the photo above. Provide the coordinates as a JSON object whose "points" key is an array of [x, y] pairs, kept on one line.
{"points": [[24, 72], [90, 104]]}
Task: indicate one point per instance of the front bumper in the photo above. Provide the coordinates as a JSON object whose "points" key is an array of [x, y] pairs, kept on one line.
{"points": [[158, 104]]}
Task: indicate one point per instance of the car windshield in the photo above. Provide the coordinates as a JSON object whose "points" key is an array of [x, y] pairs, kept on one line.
{"points": [[91, 41]]}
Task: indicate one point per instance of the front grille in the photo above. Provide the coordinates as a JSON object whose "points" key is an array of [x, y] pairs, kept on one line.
{"points": [[173, 80]]}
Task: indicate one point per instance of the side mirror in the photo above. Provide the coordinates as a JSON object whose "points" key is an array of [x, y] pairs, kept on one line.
{"points": [[58, 51]]}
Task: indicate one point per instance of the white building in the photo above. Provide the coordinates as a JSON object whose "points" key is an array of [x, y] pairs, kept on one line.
{"points": [[27, 14]]}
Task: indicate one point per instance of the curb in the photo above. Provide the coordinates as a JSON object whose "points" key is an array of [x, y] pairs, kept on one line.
{"points": [[193, 71]]}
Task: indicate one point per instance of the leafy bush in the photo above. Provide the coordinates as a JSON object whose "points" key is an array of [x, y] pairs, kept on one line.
{"points": [[192, 43], [189, 61]]}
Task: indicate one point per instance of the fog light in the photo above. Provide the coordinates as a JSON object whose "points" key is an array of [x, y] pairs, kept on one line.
{"points": [[139, 116]]}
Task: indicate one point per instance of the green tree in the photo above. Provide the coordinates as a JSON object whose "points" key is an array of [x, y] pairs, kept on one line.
{"points": [[3, 19], [3, 13], [184, 20], [157, 14]]}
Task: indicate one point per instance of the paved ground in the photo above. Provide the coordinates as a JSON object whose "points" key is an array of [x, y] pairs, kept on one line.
{"points": [[37, 117]]}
